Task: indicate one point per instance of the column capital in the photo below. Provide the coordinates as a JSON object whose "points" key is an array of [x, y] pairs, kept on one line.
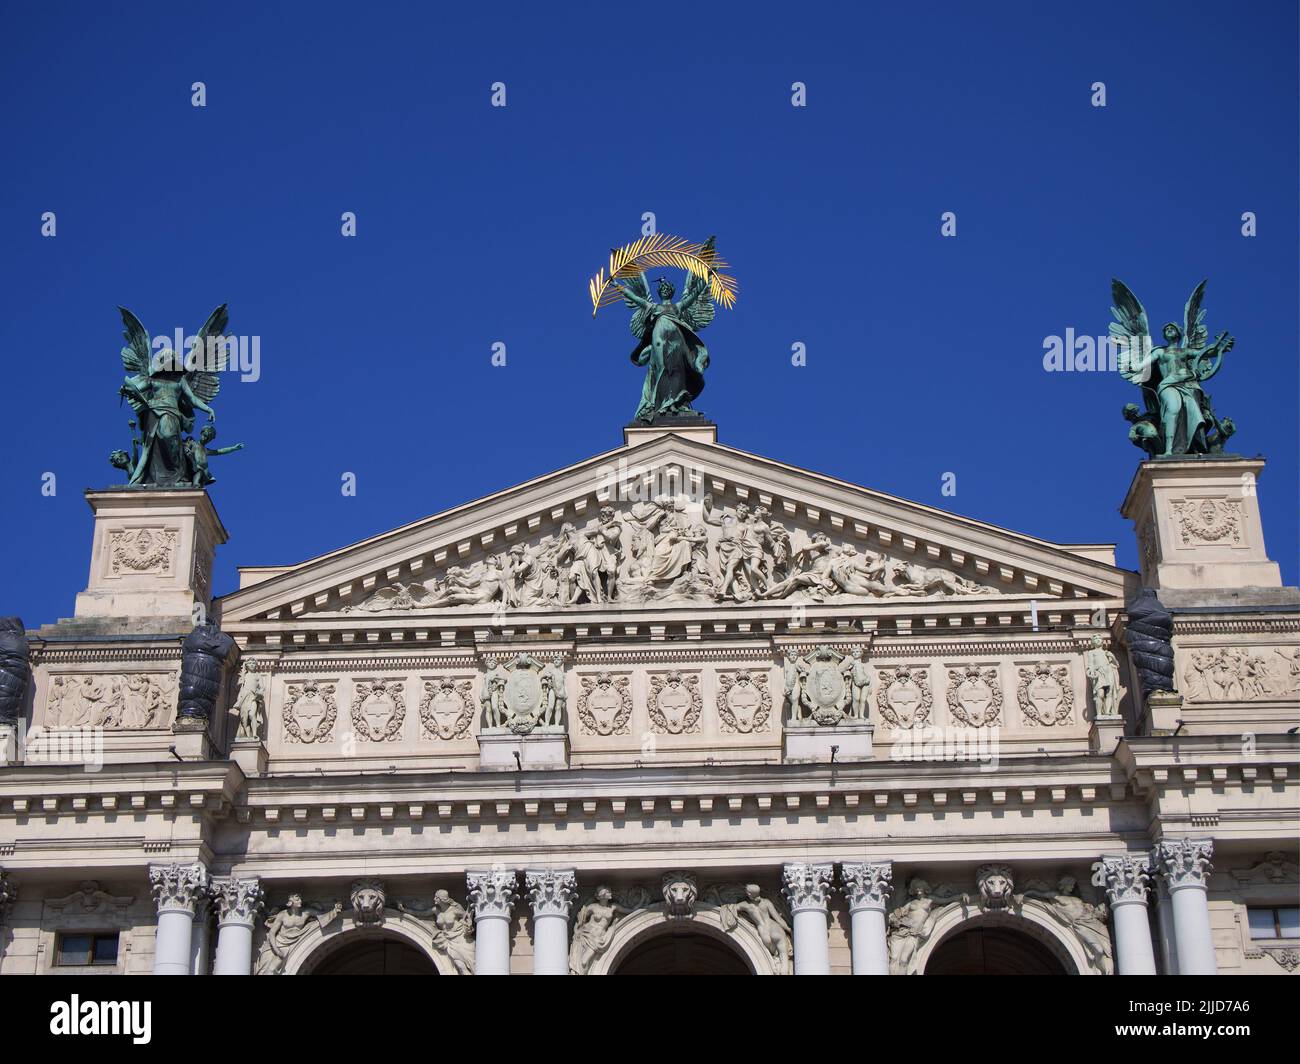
{"points": [[238, 900], [1128, 877], [807, 886], [493, 891], [867, 884], [551, 892], [178, 887], [1184, 862]]}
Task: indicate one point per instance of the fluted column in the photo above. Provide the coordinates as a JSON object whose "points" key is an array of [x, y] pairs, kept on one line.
{"points": [[177, 889], [492, 896], [238, 903], [552, 894], [1127, 890], [807, 888], [867, 886], [1185, 865]]}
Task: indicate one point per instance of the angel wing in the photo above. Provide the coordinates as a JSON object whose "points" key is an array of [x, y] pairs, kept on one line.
{"points": [[696, 306], [208, 356], [640, 288], [1131, 332], [136, 356], [1195, 333]]}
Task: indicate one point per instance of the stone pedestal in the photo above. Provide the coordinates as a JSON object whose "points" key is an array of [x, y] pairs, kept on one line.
{"points": [[9, 746], [542, 748], [250, 755], [809, 741], [190, 739], [1164, 709], [1197, 524], [151, 555], [1104, 733]]}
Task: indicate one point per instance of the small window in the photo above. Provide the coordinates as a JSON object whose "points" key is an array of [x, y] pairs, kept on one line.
{"points": [[1279, 922], [87, 949]]}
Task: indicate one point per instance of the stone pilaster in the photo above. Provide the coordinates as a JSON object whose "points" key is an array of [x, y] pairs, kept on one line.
{"points": [[1127, 890], [807, 888], [868, 885], [552, 895], [492, 895], [178, 889], [238, 903], [1185, 866]]}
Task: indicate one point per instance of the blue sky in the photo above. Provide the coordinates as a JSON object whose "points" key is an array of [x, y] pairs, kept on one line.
{"points": [[478, 225]]}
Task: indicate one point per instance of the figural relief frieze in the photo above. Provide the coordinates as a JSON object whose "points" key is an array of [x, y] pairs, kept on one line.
{"points": [[379, 710], [670, 550], [1230, 674], [522, 693], [1045, 694], [310, 710], [975, 695], [675, 703], [605, 704], [1216, 521], [141, 551], [126, 702], [744, 701], [446, 708], [905, 698]]}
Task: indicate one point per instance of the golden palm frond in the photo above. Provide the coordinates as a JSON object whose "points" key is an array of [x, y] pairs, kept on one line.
{"points": [[662, 249]]}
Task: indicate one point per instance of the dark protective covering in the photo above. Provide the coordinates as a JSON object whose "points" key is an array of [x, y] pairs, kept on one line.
{"points": [[1149, 632], [203, 656], [15, 673]]}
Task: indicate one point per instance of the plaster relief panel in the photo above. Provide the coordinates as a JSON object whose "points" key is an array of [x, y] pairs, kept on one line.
{"points": [[310, 711], [447, 708], [378, 710], [605, 704], [1202, 521], [903, 696], [744, 701], [974, 695], [674, 703], [1239, 674], [123, 702], [141, 551], [1045, 693]]}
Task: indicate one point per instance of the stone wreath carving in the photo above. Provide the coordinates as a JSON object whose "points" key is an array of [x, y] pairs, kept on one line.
{"points": [[675, 703], [379, 710], [1208, 521], [605, 705], [975, 696], [904, 697], [447, 709], [142, 550], [309, 713], [1045, 694], [744, 701]]}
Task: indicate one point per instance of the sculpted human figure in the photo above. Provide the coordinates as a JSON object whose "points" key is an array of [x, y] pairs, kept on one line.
{"points": [[739, 550], [1073, 913], [453, 931], [554, 697], [767, 920], [250, 702], [792, 670], [1103, 670], [285, 929], [816, 580], [860, 679], [481, 583], [492, 696], [912, 923], [860, 574], [607, 539], [593, 929], [198, 452]]}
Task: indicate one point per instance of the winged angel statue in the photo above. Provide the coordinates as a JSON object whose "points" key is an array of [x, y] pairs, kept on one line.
{"points": [[1177, 417], [165, 389]]}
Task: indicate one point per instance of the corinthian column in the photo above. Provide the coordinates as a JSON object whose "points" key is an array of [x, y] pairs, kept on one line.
{"points": [[238, 903], [178, 889], [492, 894], [867, 886], [1185, 865], [551, 893], [807, 887], [1127, 877]]}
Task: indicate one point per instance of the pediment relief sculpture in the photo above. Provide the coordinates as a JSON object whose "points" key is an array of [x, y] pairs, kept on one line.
{"points": [[523, 693]]}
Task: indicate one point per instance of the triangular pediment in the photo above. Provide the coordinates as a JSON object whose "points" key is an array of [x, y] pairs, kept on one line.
{"points": [[678, 524]]}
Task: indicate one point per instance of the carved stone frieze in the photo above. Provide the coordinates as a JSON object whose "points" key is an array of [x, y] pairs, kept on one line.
{"points": [[605, 704], [1216, 521], [123, 702], [90, 900], [310, 710], [141, 551], [379, 710], [1241, 673], [904, 696], [675, 703], [744, 701], [1045, 694], [1275, 869], [446, 709], [975, 695]]}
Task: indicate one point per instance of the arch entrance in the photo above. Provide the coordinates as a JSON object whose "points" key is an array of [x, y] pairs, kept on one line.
{"points": [[373, 955], [993, 949]]}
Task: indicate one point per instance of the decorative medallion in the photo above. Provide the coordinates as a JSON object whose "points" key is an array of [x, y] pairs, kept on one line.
{"points": [[744, 701], [379, 710], [309, 712], [447, 709], [904, 696], [975, 696], [675, 703], [141, 550], [521, 694], [1045, 694], [1208, 521], [605, 705]]}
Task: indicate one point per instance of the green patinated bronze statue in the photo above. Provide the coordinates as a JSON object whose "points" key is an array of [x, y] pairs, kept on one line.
{"points": [[164, 390], [1176, 418]]}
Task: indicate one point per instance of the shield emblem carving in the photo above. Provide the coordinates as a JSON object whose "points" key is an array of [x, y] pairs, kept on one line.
{"points": [[973, 695], [1045, 694], [744, 702], [604, 704], [675, 703], [523, 693], [905, 697]]}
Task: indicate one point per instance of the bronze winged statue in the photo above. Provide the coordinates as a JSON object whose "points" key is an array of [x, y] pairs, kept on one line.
{"points": [[1176, 417], [164, 390]]}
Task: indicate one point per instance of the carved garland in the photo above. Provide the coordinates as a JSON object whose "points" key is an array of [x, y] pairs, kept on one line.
{"points": [[675, 703], [605, 705], [391, 729], [744, 701], [446, 710], [1045, 694], [1209, 521], [904, 696], [964, 691], [142, 550], [311, 691]]}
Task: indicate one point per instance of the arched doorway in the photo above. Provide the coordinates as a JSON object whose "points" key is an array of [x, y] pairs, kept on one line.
{"points": [[992, 950], [682, 954], [380, 955]]}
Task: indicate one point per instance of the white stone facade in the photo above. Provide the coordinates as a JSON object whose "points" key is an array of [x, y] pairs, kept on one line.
{"points": [[799, 728]]}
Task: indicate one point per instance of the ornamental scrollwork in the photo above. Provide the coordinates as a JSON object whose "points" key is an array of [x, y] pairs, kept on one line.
{"points": [[605, 704], [379, 710], [310, 710], [904, 697], [975, 696], [1045, 694], [675, 703], [446, 709], [744, 701]]}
